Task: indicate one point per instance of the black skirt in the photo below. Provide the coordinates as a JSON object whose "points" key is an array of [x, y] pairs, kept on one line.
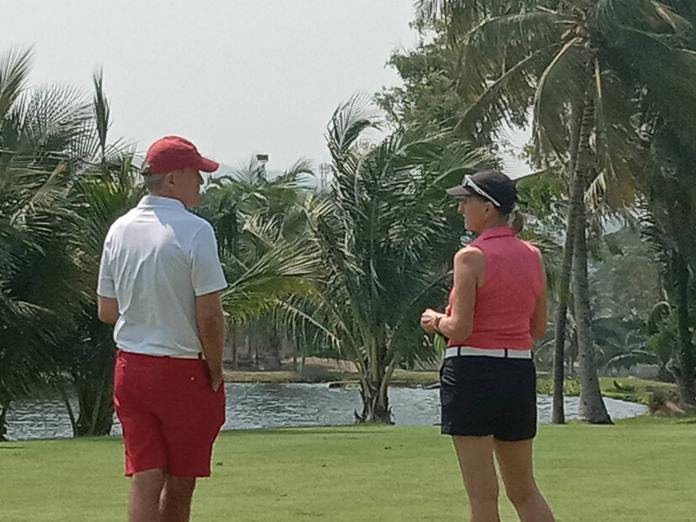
{"points": [[483, 396]]}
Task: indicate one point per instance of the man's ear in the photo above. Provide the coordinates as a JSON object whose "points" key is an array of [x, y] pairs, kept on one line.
{"points": [[169, 179]]}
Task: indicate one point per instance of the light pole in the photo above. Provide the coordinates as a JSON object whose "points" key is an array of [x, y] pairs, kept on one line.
{"points": [[262, 159]]}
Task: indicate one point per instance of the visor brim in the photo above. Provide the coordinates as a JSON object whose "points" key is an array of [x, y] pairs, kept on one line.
{"points": [[459, 191]]}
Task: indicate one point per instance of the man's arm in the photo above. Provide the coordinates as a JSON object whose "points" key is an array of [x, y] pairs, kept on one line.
{"points": [[107, 304], [107, 309], [211, 332]]}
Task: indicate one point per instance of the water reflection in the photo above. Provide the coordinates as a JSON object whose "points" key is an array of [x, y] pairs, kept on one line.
{"points": [[282, 405]]}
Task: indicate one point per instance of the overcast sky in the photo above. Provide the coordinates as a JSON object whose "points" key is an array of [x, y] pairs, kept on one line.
{"points": [[237, 77]]}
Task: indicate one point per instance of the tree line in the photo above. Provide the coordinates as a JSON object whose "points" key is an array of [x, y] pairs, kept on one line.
{"points": [[606, 87]]}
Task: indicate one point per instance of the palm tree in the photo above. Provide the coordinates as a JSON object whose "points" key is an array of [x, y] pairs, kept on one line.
{"points": [[247, 209], [39, 279], [577, 61], [62, 186], [106, 184], [384, 244], [668, 181], [669, 227]]}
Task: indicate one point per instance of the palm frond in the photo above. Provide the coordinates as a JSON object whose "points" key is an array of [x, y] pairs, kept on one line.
{"points": [[102, 112], [348, 122], [560, 89], [282, 271], [14, 69]]}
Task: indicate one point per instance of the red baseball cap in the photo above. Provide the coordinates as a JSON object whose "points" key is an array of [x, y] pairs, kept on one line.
{"points": [[175, 153]]}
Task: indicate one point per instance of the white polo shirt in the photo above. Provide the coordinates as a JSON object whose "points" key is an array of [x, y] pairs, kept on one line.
{"points": [[157, 258]]}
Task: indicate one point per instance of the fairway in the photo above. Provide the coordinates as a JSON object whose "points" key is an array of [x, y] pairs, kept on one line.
{"points": [[641, 470]]}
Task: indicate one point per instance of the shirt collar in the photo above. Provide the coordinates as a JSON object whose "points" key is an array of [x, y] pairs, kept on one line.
{"points": [[502, 231], [161, 201]]}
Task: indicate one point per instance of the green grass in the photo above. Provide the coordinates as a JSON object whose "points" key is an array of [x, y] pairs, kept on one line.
{"points": [[637, 471], [310, 374], [630, 388], [633, 389], [319, 374]]}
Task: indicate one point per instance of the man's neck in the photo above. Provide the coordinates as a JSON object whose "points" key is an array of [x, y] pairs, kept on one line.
{"points": [[167, 196], [163, 195]]}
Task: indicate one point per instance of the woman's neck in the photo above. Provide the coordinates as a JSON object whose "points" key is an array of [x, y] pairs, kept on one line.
{"points": [[494, 224]]}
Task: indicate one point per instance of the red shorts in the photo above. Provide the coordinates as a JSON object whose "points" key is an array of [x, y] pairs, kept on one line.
{"points": [[169, 413]]}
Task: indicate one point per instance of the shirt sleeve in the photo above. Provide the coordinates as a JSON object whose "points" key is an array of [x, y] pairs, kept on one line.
{"points": [[105, 283], [206, 272]]}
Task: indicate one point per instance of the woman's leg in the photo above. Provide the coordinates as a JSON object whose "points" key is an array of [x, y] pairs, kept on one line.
{"points": [[475, 456], [515, 461]]}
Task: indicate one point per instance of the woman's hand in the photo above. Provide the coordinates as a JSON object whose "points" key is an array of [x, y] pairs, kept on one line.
{"points": [[428, 320]]}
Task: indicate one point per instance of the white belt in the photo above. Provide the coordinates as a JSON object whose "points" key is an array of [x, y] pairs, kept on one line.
{"points": [[198, 355], [503, 353]]}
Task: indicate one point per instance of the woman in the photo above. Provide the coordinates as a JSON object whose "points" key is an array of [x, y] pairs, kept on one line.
{"points": [[488, 382]]}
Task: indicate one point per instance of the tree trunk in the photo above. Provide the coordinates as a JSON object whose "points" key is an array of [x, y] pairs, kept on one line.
{"points": [[247, 344], [558, 412], [572, 350], [375, 399], [94, 394], [3, 421], [561, 318], [274, 348], [592, 407], [68, 408], [257, 341], [233, 345], [295, 349], [685, 370], [373, 387]]}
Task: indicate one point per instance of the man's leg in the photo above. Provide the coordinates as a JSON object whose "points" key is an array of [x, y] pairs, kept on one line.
{"points": [[192, 414], [144, 497], [175, 500], [143, 440]]}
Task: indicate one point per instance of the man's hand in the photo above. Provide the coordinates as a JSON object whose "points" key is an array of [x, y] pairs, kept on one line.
{"points": [[211, 332], [428, 320], [216, 379]]}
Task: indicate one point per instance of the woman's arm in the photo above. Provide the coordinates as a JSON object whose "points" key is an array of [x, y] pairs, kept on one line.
{"points": [[537, 323], [469, 267]]}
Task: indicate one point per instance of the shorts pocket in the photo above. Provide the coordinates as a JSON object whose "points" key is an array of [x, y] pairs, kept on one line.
{"points": [[198, 378]]}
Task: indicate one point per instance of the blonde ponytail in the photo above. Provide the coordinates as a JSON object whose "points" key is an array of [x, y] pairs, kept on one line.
{"points": [[516, 221]]}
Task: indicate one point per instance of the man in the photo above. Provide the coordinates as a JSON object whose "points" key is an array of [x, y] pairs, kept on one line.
{"points": [[159, 283]]}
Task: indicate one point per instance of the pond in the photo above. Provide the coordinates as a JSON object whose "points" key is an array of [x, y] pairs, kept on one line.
{"points": [[263, 405]]}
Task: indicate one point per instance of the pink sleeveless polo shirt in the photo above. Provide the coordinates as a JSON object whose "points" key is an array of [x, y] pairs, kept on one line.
{"points": [[506, 300]]}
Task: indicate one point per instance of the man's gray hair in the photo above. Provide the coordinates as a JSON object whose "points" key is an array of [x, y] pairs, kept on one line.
{"points": [[152, 181]]}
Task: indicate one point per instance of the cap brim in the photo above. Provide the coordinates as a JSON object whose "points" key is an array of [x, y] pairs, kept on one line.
{"points": [[207, 165], [458, 191]]}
